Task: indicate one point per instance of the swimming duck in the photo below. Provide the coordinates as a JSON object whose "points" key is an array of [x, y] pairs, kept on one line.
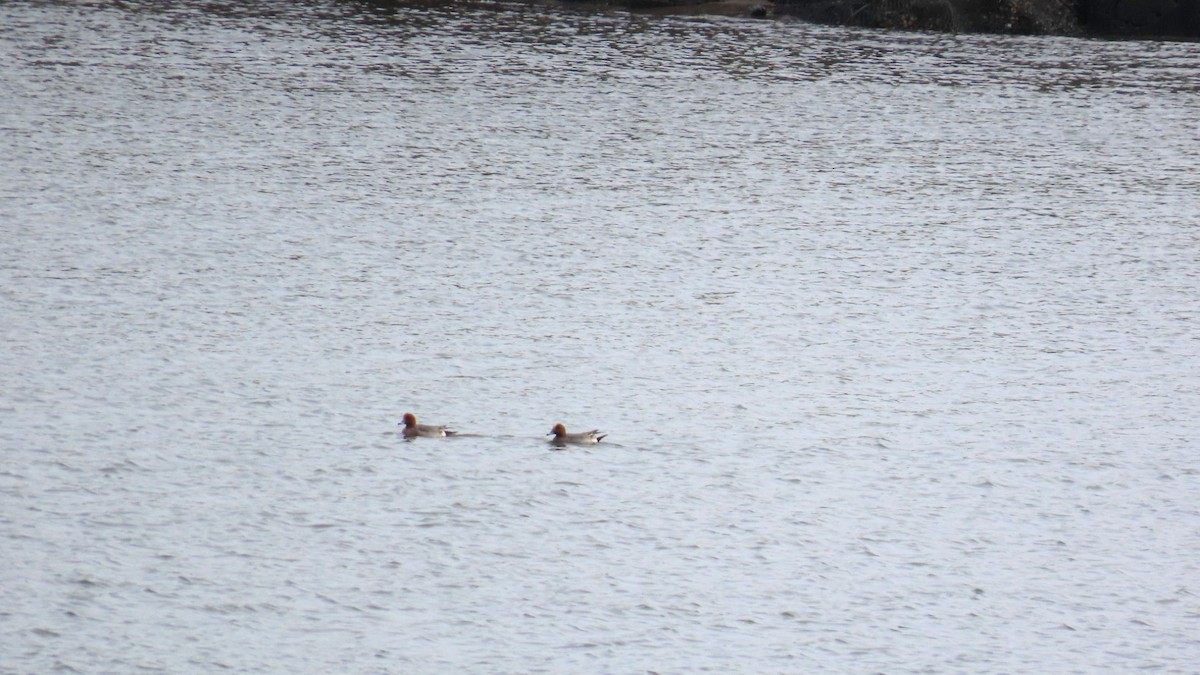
{"points": [[412, 429], [559, 432]]}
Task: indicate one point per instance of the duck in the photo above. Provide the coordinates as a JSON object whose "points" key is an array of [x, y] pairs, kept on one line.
{"points": [[559, 432], [412, 429]]}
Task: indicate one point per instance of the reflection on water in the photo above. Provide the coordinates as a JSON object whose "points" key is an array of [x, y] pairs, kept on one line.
{"points": [[892, 335]]}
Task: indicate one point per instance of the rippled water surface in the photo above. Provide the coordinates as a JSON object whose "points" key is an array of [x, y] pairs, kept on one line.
{"points": [[894, 335]]}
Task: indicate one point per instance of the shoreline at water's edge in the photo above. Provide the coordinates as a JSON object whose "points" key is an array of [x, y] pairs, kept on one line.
{"points": [[1117, 19]]}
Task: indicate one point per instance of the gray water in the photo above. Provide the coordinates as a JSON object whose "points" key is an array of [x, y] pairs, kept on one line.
{"points": [[894, 337]]}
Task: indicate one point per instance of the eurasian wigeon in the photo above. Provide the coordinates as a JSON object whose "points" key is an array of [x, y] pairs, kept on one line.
{"points": [[412, 429], [559, 432]]}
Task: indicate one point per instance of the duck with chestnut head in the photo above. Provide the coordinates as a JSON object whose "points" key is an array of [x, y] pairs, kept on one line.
{"points": [[413, 430], [561, 437]]}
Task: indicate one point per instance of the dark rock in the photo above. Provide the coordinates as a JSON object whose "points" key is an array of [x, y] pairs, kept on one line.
{"points": [[1145, 18], [1117, 18], [755, 9], [975, 16]]}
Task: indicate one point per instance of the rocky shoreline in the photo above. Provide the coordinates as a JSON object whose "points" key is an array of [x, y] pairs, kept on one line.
{"points": [[1140, 19]]}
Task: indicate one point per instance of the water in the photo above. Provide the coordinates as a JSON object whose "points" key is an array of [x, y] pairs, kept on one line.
{"points": [[894, 336]]}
